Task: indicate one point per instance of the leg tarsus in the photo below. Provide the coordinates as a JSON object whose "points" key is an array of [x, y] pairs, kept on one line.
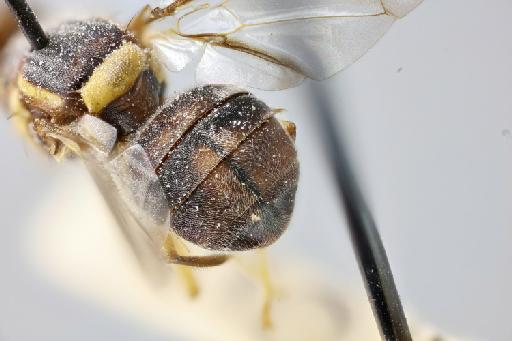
{"points": [[257, 269], [189, 280], [264, 273]]}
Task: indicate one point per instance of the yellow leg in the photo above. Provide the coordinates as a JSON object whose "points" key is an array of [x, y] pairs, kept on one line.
{"points": [[173, 248], [264, 273], [189, 279], [177, 254], [256, 267]]}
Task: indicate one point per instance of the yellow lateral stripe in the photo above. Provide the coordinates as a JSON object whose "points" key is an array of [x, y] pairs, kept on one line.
{"points": [[38, 96], [114, 77]]}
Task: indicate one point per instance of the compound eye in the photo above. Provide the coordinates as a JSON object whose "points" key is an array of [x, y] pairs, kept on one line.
{"points": [[115, 76]]}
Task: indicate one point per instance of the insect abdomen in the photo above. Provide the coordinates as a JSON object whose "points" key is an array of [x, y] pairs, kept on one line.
{"points": [[230, 178], [246, 201]]}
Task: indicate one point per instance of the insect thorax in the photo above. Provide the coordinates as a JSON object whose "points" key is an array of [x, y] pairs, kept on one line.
{"points": [[89, 67]]}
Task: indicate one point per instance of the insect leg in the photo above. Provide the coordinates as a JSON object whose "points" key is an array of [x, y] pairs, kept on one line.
{"points": [[174, 251], [266, 282], [170, 246], [256, 267]]}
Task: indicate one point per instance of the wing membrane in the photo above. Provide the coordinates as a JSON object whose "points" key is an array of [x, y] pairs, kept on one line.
{"points": [[129, 186], [141, 244], [228, 66], [264, 11], [133, 192], [273, 45]]}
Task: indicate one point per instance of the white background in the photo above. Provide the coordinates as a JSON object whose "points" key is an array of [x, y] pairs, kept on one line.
{"points": [[427, 113]]}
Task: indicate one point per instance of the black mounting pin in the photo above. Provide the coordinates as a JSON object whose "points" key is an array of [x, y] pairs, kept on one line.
{"points": [[370, 253], [28, 23]]}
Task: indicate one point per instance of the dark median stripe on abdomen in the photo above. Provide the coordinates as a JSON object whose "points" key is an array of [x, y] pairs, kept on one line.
{"points": [[247, 200], [210, 141], [173, 121]]}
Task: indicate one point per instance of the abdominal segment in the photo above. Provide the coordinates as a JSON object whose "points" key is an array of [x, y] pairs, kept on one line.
{"points": [[247, 200], [230, 177]]}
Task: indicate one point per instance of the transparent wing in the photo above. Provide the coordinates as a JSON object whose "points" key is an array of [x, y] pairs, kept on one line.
{"points": [[145, 250], [130, 188], [133, 191], [269, 44]]}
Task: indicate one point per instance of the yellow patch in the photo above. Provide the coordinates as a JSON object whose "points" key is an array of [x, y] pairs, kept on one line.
{"points": [[290, 128], [20, 116], [255, 218], [114, 77], [38, 96], [157, 68]]}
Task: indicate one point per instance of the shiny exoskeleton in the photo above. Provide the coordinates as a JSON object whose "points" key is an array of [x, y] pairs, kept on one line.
{"points": [[228, 168]]}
